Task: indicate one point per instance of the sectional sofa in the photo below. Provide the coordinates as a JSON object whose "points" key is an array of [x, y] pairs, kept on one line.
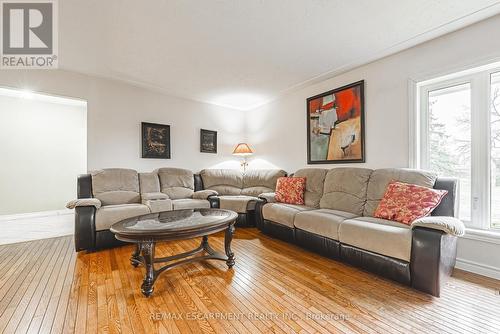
{"points": [[109, 195], [337, 221]]}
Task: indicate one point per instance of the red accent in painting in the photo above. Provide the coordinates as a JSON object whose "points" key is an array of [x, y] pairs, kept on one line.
{"points": [[348, 104], [315, 105]]}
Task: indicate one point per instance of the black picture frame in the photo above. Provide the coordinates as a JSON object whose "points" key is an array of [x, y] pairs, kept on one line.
{"points": [[208, 141], [155, 141], [360, 85]]}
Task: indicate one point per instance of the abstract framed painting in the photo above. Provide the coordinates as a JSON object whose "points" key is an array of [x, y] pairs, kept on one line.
{"points": [[208, 141], [155, 141], [336, 126]]}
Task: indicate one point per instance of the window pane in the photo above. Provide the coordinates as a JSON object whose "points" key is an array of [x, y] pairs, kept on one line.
{"points": [[450, 139], [495, 150]]}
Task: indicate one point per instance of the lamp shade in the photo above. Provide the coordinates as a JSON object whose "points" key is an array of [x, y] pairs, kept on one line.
{"points": [[242, 149]]}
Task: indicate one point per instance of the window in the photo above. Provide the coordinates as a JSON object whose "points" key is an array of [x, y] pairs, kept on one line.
{"points": [[495, 149], [449, 149], [459, 136]]}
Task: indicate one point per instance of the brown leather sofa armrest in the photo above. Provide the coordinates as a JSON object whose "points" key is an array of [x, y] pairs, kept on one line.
{"points": [[85, 228]]}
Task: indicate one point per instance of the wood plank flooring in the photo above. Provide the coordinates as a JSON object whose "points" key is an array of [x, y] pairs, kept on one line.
{"points": [[45, 287]]}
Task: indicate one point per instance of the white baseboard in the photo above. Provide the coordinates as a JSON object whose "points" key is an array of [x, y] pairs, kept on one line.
{"points": [[35, 226], [31, 215], [478, 268]]}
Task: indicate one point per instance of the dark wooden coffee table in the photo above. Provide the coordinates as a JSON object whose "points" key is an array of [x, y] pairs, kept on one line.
{"points": [[145, 231]]}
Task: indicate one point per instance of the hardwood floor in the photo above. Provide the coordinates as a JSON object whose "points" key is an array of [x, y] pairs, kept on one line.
{"points": [[46, 287]]}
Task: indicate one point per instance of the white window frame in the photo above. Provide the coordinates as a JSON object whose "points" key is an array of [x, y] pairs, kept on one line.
{"points": [[480, 83]]}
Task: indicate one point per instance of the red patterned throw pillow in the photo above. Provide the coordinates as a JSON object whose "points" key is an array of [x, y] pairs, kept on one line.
{"points": [[290, 190], [404, 203]]}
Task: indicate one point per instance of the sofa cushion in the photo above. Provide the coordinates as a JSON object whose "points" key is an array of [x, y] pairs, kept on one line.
{"points": [[224, 181], [315, 179], [177, 183], [380, 178], [380, 236], [187, 203], [323, 222], [345, 189], [404, 203], [238, 203], [258, 181], [290, 190], [158, 205], [149, 183], [157, 202], [283, 214], [110, 214], [114, 186]]}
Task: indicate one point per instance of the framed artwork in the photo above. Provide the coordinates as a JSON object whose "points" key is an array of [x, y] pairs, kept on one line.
{"points": [[208, 141], [336, 126], [155, 141]]}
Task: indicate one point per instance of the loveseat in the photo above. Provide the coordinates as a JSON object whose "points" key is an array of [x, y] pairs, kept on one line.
{"points": [[107, 196], [337, 221]]}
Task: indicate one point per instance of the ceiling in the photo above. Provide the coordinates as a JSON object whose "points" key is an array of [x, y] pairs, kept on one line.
{"points": [[244, 53]]}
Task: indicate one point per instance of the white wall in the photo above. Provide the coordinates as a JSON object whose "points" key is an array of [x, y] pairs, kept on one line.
{"points": [[115, 113], [278, 130], [43, 148]]}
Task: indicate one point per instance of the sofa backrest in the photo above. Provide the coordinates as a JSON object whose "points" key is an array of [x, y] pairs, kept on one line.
{"points": [[176, 183], [258, 181], [380, 178], [224, 181], [345, 189], [149, 183], [449, 203], [315, 179], [116, 186]]}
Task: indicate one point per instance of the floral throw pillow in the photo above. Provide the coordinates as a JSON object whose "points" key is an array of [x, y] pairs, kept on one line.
{"points": [[404, 202], [290, 190]]}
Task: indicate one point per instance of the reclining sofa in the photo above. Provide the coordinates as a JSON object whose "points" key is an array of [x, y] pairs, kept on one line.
{"points": [[337, 221], [109, 195]]}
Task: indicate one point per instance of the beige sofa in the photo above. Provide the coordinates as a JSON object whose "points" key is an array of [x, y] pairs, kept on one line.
{"points": [[109, 195], [337, 221], [239, 191]]}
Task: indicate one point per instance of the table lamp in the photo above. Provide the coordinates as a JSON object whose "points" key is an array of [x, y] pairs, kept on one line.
{"points": [[243, 150]]}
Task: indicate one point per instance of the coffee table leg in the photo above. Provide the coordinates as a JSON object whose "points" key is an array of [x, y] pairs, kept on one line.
{"points": [[135, 259], [148, 253], [204, 242], [227, 245]]}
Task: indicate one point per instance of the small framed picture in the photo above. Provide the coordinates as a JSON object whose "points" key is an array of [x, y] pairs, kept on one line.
{"points": [[155, 141], [208, 141]]}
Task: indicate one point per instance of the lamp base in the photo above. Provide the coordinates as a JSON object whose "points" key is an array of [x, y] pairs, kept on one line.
{"points": [[244, 164]]}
